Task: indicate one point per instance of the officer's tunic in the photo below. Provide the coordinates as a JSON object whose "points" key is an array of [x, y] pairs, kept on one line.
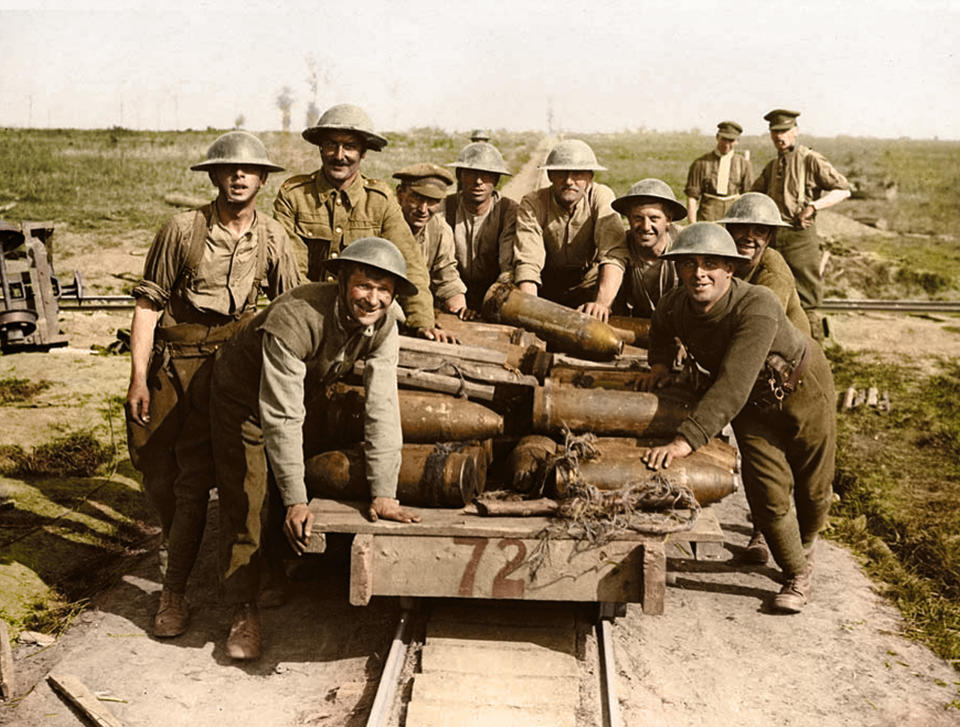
{"points": [[562, 251], [702, 184], [436, 243], [257, 410], [321, 220], [789, 451]]}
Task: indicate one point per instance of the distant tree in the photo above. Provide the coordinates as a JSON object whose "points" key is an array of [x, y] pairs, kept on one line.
{"points": [[239, 121], [313, 113], [285, 104], [315, 76]]}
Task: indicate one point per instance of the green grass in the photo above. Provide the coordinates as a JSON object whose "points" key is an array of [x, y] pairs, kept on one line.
{"points": [[898, 477]]}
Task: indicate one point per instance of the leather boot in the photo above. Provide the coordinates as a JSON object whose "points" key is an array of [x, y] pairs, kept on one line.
{"points": [[756, 551], [173, 614], [795, 593], [244, 639]]}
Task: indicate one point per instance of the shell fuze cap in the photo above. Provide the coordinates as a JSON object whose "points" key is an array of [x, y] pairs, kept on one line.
{"points": [[345, 117], [430, 180], [781, 119], [378, 253], [729, 130], [237, 148], [754, 208], [481, 156], [655, 189], [572, 155], [705, 238]]}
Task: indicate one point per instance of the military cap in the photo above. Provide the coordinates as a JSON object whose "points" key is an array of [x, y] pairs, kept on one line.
{"points": [[430, 180], [480, 135], [782, 119], [729, 130]]}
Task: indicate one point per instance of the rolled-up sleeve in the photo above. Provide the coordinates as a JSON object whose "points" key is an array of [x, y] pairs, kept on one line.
{"points": [[383, 438], [162, 266], [529, 252], [281, 415]]}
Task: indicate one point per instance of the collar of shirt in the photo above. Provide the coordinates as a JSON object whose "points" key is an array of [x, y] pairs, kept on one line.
{"points": [[718, 155], [215, 219], [352, 192]]}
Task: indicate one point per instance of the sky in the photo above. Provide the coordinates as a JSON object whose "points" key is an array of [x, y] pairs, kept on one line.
{"points": [[882, 68]]}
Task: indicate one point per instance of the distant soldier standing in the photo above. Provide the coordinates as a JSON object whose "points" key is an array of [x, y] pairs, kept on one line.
{"points": [[800, 181], [201, 279], [336, 204], [420, 193], [570, 245], [717, 178], [483, 221]]}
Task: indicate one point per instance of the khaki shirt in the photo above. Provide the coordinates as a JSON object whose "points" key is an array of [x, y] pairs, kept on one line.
{"points": [[227, 270], [702, 177], [647, 280], [324, 219], [306, 329], [436, 242], [773, 272], [797, 177], [548, 237], [483, 243]]}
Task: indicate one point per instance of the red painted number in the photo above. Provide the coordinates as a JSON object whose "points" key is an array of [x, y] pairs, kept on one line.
{"points": [[503, 587], [470, 572]]}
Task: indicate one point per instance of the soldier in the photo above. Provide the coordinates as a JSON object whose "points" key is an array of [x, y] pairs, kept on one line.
{"points": [[769, 380], [651, 210], [480, 135], [420, 193], [570, 243], [336, 204], [800, 181], [201, 279], [717, 178], [257, 403], [484, 222]]}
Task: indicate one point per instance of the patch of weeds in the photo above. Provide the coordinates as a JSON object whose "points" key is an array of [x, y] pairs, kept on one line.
{"points": [[79, 454], [14, 390]]}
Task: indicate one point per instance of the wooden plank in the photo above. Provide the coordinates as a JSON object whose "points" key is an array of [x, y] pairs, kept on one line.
{"points": [[77, 694], [705, 541], [361, 569], [463, 660], [481, 371], [499, 568], [433, 715], [654, 578], [494, 691], [496, 636], [8, 673], [447, 351]]}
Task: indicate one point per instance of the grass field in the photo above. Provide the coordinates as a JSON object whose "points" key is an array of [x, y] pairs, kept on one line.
{"points": [[898, 474]]}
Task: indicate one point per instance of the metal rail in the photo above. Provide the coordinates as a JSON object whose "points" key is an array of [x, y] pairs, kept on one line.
{"points": [[608, 675], [387, 687]]}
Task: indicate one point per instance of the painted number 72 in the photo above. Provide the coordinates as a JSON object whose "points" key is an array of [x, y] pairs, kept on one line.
{"points": [[502, 586]]}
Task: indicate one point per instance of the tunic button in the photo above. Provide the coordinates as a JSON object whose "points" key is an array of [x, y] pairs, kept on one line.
{"points": [[339, 201], [330, 278], [333, 254], [339, 230]]}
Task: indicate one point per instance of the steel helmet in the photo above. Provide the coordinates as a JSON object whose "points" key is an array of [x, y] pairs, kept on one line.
{"points": [[754, 208], [345, 117], [481, 156], [655, 189], [377, 253], [705, 238], [237, 147], [572, 155], [480, 135]]}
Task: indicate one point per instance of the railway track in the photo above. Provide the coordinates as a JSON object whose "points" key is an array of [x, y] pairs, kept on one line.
{"points": [[520, 664]]}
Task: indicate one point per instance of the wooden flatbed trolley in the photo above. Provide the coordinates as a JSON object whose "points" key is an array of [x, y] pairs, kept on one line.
{"points": [[456, 553]]}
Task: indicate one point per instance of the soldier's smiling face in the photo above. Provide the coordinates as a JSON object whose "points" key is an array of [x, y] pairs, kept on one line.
{"points": [[649, 222], [752, 240], [341, 153], [368, 293], [705, 277], [417, 208], [569, 186]]}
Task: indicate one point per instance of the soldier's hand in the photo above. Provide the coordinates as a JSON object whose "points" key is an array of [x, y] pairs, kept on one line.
{"points": [[437, 334], [467, 314], [663, 456], [657, 378], [805, 217], [528, 287], [138, 403], [389, 508], [297, 526], [596, 310]]}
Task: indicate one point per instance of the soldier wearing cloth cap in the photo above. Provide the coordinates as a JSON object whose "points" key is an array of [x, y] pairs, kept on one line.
{"points": [[201, 279], [570, 245], [800, 181], [718, 177], [420, 193], [335, 205], [651, 209], [484, 222], [769, 380], [258, 411]]}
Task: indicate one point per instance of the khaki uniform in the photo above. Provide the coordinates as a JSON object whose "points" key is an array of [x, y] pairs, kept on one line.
{"points": [[788, 451], [562, 252], [483, 244], [702, 184], [258, 409], [792, 180], [325, 220], [772, 272], [647, 280], [436, 243], [201, 308]]}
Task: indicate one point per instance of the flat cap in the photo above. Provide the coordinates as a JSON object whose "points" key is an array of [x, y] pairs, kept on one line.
{"points": [[781, 119], [729, 130], [430, 180]]}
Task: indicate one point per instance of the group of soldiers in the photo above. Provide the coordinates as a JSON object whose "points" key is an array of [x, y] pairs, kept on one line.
{"points": [[217, 390]]}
